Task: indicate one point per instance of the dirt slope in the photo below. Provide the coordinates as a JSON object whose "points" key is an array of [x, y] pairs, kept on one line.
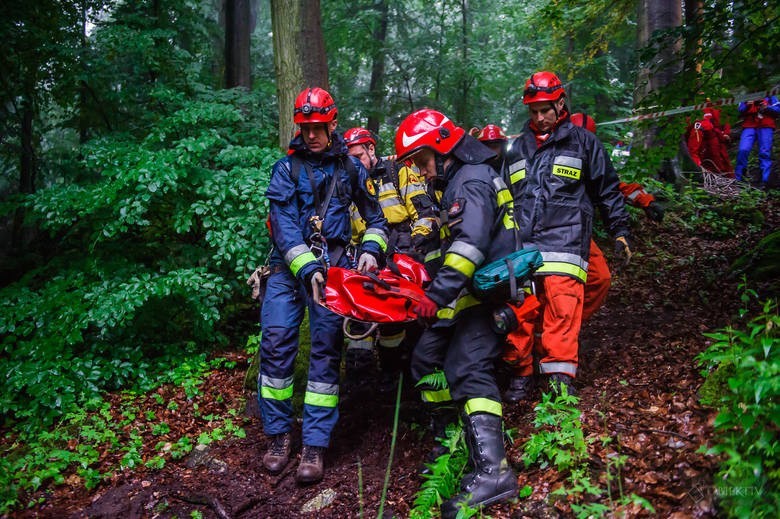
{"points": [[638, 385]]}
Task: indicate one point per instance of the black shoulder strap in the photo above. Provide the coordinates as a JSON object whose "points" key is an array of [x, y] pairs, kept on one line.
{"points": [[395, 178], [349, 166], [295, 168]]}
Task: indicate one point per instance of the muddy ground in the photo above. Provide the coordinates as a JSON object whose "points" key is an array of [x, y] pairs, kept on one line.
{"points": [[638, 385]]}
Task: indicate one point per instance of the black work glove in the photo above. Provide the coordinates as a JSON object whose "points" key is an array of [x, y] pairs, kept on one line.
{"points": [[623, 250], [655, 212]]}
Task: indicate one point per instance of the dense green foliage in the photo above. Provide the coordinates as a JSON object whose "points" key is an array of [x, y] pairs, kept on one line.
{"points": [[151, 252], [145, 231], [742, 366], [132, 186]]}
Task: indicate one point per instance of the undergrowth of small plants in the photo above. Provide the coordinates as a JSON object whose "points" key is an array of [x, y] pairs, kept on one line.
{"points": [[559, 442], [742, 370], [75, 450]]}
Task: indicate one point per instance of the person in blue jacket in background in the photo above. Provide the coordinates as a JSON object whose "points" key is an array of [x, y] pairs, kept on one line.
{"points": [[309, 197]]}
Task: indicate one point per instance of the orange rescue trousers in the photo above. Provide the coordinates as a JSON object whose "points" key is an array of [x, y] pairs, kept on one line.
{"points": [[561, 299]]}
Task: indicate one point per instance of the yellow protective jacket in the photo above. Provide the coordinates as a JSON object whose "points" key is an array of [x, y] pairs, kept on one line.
{"points": [[409, 210]]}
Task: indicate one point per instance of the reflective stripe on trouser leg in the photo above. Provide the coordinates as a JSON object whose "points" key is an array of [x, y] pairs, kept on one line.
{"points": [[427, 357], [470, 358], [320, 407], [482, 405], [562, 303], [280, 318]]}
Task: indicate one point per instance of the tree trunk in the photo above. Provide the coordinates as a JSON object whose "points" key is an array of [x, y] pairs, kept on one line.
{"points": [[658, 15], [26, 170], [238, 32], [692, 58], [462, 104], [653, 16], [299, 56], [377, 84]]}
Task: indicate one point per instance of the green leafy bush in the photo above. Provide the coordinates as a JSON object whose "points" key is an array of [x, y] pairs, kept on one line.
{"points": [[150, 251], [742, 367]]}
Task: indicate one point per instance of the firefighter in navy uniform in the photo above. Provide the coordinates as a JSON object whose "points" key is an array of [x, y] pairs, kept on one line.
{"points": [[477, 227], [560, 174], [412, 219], [309, 196]]}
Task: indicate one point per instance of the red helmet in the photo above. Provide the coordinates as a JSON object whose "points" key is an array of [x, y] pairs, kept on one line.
{"points": [[426, 128], [542, 86], [314, 105], [490, 133], [358, 135], [585, 121]]}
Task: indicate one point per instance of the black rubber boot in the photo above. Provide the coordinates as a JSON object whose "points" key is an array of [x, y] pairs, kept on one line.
{"points": [[492, 480], [519, 389], [441, 416]]}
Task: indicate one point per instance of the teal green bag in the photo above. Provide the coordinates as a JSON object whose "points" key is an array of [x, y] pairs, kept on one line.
{"points": [[499, 280]]}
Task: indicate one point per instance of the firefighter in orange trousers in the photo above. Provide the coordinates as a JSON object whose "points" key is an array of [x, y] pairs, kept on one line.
{"points": [[560, 175]]}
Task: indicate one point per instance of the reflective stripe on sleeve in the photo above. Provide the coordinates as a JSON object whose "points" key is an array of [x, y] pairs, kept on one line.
{"points": [[297, 257], [517, 171], [460, 304], [376, 235], [463, 257], [432, 256]]}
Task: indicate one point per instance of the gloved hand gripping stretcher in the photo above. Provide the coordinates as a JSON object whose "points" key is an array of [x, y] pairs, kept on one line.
{"points": [[376, 298]]}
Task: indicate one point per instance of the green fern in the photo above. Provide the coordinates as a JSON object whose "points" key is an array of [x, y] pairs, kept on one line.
{"points": [[446, 472], [435, 380]]}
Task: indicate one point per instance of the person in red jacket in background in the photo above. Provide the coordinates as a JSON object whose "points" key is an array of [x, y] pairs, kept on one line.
{"points": [[705, 146], [723, 130]]}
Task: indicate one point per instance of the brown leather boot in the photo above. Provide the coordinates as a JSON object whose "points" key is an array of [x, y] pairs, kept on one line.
{"points": [[311, 469], [278, 454]]}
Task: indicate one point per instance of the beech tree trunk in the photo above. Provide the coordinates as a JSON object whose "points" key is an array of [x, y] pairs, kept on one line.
{"points": [[299, 56]]}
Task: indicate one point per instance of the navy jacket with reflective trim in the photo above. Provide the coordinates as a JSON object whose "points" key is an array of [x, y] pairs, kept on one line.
{"points": [[558, 186], [292, 205], [478, 223]]}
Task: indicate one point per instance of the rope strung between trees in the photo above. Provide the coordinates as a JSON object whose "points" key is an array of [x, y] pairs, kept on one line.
{"points": [[726, 101]]}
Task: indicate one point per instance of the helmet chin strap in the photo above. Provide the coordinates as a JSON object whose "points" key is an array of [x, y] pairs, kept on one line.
{"points": [[439, 166]]}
